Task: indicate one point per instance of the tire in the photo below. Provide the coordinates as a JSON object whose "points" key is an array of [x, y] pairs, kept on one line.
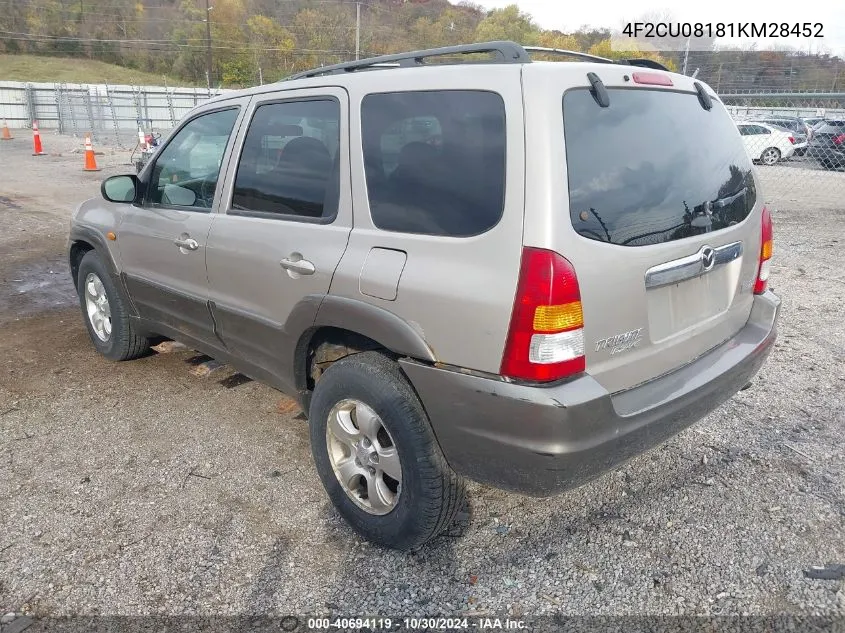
{"points": [[121, 341], [770, 156], [430, 493]]}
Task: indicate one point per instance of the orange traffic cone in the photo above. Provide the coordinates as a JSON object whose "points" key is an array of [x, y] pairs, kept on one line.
{"points": [[37, 149], [90, 160], [6, 134]]}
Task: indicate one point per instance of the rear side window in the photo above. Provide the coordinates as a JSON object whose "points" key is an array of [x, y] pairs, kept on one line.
{"points": [[289, 166], [435, 161], [653, 167]]}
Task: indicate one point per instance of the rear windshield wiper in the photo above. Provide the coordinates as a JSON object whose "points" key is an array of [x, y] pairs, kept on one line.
{"points": [[701, 216], [720, 203]]}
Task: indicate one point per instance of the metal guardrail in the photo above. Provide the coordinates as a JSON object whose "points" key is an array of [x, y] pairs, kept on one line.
{"points": [[102, 110]]}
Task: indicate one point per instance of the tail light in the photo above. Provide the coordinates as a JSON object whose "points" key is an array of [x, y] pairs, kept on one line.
{"points": [[792, 140], [546, 336], [838, 140], [765, 254]]}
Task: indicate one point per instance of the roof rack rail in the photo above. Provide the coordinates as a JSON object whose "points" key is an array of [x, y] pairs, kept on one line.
{"points": [[644, 63], [567, 53], [506, 53]]}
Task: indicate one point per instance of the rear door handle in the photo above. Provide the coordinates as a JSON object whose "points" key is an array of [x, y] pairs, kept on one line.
{"points": [[189, 244], [297, 265]]}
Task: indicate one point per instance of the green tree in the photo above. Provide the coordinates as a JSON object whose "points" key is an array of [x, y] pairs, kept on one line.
{"points": [[508, 24], [272, 46], [604, 49], [324, 36]]}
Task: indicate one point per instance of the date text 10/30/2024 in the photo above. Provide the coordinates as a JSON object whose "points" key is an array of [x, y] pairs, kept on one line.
{"points": [[440, 624]]}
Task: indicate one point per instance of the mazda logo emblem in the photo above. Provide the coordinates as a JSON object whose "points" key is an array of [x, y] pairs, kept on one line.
{"points": [[708, 258]]}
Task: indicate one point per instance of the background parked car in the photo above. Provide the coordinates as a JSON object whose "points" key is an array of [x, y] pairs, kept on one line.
{"points": [[814, 121], [767, 143], [800, 130], [828, 144]]}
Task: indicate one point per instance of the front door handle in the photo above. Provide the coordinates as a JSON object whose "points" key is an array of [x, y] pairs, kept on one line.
{"points": [[189, 244], [296, 265]]}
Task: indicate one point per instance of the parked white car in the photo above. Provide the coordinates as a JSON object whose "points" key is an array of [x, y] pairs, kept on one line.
{"points": [[767, 143]]}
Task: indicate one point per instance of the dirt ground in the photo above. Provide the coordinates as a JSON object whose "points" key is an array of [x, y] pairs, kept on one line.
{"points": [[145, 488]]}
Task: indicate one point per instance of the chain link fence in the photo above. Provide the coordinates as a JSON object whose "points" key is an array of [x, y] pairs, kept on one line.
{"points": [[111, 114], [798, 141]]}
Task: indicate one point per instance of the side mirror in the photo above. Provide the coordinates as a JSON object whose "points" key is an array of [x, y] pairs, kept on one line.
{"points": [[120, 188]]}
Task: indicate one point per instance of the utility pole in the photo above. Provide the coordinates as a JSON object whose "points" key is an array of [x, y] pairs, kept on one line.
{"points": [[208, 65], [357, 30], [686, 57]]}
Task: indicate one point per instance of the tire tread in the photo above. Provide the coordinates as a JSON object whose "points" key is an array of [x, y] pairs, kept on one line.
{"points": [[443, 491], [127, 344]]}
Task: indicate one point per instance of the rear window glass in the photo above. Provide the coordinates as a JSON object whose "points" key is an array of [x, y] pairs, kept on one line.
{"points": [[830, 126], [435, 161], [653, 167], [784, 123]]}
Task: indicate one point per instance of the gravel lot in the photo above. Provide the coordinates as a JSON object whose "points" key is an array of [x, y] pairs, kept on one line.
{"points": [[142, 488]]}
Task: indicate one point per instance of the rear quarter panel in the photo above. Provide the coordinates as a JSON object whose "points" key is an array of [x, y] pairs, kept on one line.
{"points": [[456, 292]]}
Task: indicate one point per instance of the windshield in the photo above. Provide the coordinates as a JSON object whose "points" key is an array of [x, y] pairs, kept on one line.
{"points": [[653, 167]]}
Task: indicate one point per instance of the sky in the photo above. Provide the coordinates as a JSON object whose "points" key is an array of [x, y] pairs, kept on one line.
{"points": [[565, 15]]}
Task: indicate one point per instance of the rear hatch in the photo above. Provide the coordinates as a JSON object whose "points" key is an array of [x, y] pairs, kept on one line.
{"points": [[662, 225]]}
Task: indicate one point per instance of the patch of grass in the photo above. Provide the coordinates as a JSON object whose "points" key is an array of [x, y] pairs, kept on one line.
{"points": [[36, 68]]}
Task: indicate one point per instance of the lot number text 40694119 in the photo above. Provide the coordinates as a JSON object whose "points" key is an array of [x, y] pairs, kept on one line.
{"points": [[438, 624]]}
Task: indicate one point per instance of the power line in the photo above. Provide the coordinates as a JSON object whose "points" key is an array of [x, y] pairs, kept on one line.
{"points": [[169, 44]]}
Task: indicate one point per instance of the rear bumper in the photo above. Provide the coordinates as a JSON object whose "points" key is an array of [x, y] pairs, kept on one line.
{"points": [[544, 440]]}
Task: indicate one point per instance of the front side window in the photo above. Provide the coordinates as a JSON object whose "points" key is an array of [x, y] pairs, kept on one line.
{"points": [[435, 161], [290, 164], [186, 171]]}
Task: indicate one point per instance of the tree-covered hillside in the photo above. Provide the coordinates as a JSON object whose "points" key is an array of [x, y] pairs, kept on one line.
{"points": [[265, 40]]}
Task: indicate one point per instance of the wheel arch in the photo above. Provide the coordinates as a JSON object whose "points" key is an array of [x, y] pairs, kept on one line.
{"points": [[82, 240], [78, 249], [343, 327]]}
